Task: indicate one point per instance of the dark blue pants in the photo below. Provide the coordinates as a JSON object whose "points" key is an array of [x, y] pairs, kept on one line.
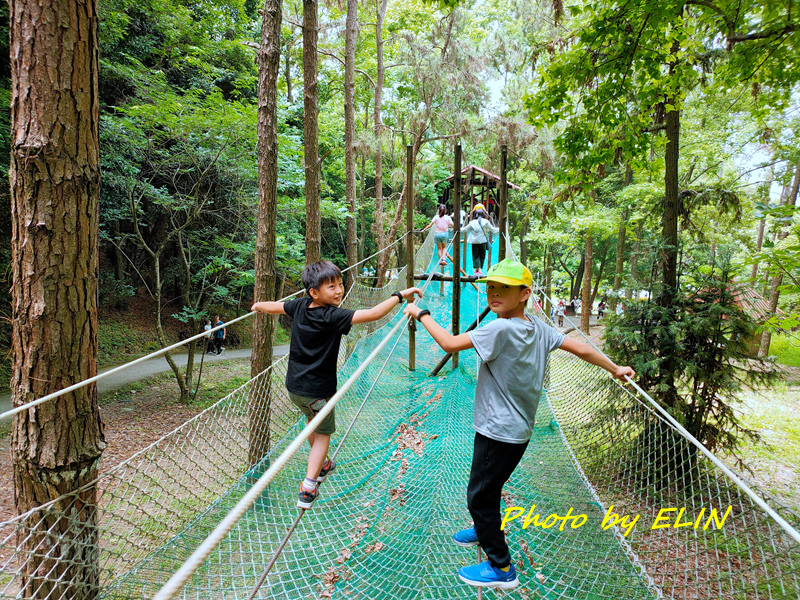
{"points": [[492, 465]]}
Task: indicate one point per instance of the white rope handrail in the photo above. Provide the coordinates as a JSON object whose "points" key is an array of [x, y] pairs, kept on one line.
{"points": [[791, 531], [85, 382]]}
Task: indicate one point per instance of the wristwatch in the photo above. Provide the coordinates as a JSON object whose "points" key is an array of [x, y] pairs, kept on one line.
{"points": [[422, 313], [399, 296]]}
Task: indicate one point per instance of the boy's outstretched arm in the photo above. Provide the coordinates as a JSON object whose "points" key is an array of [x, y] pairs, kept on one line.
{"points": [[449, 343], [379, 311], [271, 308], [593, 357]]}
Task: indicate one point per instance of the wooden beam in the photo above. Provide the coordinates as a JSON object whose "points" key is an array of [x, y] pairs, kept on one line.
{"points": [[412, 346], [502, 216], [443, 362], [457, 250]]}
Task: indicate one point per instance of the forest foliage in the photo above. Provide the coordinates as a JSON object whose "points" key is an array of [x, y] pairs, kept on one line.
{"points": [[580, 92]]}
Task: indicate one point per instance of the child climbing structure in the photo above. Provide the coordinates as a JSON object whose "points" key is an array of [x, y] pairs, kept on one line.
{"points": [[654, 516]]}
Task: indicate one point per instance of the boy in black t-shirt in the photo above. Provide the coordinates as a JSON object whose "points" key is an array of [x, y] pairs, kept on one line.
{"points": [[317, 329]]}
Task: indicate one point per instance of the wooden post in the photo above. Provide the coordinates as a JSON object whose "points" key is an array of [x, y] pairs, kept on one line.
{"points": [[502, 208], [456, 251], [412, 341]]}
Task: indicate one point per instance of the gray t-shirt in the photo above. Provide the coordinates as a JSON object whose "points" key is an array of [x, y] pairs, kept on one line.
{"points": [[513, 356]]}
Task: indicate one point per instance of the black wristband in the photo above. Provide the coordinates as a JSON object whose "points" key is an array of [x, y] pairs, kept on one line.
{"points": [[399, 296], [422, 313]]}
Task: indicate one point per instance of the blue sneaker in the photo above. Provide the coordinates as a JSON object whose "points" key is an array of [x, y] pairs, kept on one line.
{"points": [[485, 575], [466, 537], [327, 468]]}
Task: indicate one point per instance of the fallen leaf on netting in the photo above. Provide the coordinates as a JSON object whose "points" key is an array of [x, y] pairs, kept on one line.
{"points": [[366, 504], [373, 547], [331, 577], [433, 437], [541, 578], [346, 554]]}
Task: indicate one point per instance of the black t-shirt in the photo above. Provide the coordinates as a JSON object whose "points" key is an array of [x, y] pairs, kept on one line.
{"points": [[314, 349]]}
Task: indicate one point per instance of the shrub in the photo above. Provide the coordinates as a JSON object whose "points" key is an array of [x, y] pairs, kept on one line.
{"points": [[693, 358]]}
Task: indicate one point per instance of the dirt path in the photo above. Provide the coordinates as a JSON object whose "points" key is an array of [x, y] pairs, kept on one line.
{"points": [[151, 367], [132, 422]]}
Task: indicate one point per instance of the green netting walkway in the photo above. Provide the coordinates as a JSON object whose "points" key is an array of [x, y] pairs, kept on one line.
{"points": [[383, 525]]}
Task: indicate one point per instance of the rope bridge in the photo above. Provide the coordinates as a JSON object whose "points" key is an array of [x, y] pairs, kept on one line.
{"points": [[382, 527]]}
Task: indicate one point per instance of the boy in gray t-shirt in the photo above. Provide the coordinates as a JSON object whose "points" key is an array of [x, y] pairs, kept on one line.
{"points": [[513, 351]]}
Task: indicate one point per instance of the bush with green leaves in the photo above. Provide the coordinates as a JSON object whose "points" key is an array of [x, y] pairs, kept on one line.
{"points": [[693, 357]]}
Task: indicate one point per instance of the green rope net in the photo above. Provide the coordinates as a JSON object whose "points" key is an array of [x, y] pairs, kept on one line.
{"points": [[382, 528]]}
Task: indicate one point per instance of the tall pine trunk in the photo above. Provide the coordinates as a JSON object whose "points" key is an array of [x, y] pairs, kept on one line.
{"points": [[311, 132], [777, 280], [54, 178], [621, 231], [264, 325], [586, 290], [380, 10], [351, 32]]}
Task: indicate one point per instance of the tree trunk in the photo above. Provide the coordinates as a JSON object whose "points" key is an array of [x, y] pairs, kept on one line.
{"points": [[288, 71], [668, 263], [623, 228], [264, 289], [162, 336], [383, 259], [311, 131], [548, 281], [600, 273], [523, 244], [577, 284], [586, 291], [380, 240], [761, 228], [119, 259], [362, 217], [351, 33], [774, 294], [759, 246], [54, 178], [637, 248]]}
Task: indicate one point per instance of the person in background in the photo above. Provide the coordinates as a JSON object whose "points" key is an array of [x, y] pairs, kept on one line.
{"points": [[601, 309], [620, 308], [209, 340], [478, 232], [442, 224], [561, 310], [219, 335]]}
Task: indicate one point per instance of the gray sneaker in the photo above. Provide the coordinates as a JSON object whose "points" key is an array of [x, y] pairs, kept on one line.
{"points": [[328, 467]]}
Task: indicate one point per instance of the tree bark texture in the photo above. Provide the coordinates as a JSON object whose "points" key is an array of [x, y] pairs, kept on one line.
{"points": [[383, 258], [637, 248], [777, 280], [287, 72], [586, 290], [311, 131], [669, 217], [623, 227], [548, 281], [351, 32], [54, 178], [264, 325], [380, 10]]}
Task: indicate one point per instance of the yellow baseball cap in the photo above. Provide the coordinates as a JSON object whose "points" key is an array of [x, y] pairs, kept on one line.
{"points": [[510, 272], [479, 206]]}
